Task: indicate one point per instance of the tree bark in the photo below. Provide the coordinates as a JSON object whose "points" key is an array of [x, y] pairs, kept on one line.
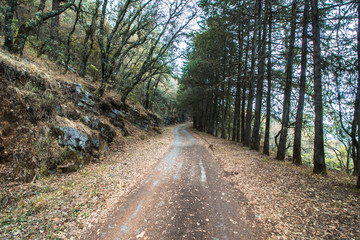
{"points": [[89, 35], [8, 21], [224, 98], [236, 123], [288, 82], [266, 149], [54, 33], [68, 43], [319, 154], [244, 87], [357, 101], [147, 95], [255, 139], [301, 102], [252, 76]]}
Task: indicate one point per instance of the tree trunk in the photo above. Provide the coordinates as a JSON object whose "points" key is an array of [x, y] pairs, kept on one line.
{"points": [[147, 95], [354, 148], [27, 27], [226, 111], [236, 111], [244, 87], [266, 149], [54, 33], [208, 114], [194, 117], [357, 101], [89, 35], [301, 102], [222, 111], [211, 109], [252, 77], [236, 123], [288, 82], [151, 105], [255, 139], [8, 21], [85, 56], [68, 43], [319, 154], [216, 114]]}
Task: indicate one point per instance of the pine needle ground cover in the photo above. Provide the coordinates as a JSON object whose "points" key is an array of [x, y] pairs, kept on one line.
{"points": [[290, 201]]}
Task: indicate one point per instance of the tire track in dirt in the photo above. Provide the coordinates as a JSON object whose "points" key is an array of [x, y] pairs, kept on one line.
{"points": [[184, 198]]}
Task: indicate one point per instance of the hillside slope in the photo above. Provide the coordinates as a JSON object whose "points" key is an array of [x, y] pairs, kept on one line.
{"points": [[53, 122]]}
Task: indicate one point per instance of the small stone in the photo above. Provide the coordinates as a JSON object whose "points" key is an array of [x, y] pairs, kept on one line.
{"points": [[141, 235]]}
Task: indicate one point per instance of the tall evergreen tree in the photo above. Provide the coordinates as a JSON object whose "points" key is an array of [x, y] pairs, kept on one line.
{"points": [[319, 153], [249, 108], [302, 86], [288, 82], [266, 149]]}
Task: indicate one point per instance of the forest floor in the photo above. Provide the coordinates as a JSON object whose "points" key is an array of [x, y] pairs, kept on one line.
{"points": [[290, 201], [280, 200]]}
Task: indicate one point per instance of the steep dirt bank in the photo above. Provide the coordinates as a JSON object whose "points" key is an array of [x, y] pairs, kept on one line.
{"points": [[66, 206], [51, 122], [290, 201]]}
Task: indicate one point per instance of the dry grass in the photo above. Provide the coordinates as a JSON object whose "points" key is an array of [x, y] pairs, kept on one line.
{"points": [[35, 66]]}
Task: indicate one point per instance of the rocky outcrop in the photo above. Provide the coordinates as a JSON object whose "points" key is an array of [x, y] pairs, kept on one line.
{"points": [[84, 97], [73, 138], [76, 126], [106, 131]]}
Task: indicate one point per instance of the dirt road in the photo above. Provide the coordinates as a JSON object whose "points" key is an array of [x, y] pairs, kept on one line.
{"points": [[184, 198]]}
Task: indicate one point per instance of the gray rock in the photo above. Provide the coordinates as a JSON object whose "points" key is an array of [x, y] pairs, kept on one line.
{"points": [[118, 113], [95, 141], [106, 131], [143, 124], [86, 99], [91, 122], [74, 139], [58, 109], [117, 118], [112, 115], [119, 124]]}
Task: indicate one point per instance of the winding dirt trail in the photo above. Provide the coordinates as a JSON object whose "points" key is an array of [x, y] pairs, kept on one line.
{"points": [[185, 197]]}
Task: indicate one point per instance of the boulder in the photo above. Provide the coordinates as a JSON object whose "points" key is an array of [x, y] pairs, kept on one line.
{"points": [[72, 138]]}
